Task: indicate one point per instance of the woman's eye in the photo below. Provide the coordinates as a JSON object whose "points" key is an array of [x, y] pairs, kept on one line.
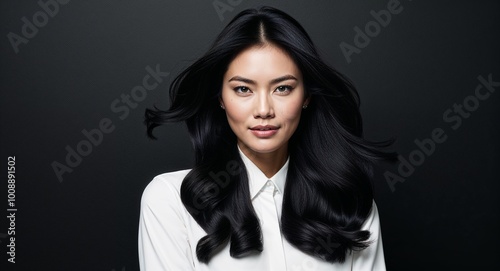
{"points": [[241, 89], [283, 89]]}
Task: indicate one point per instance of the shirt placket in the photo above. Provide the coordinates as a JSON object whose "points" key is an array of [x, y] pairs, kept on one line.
{"points": [[271, 229]]}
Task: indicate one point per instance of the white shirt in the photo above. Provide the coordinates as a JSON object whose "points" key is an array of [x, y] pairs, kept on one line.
{"points": [[168, 235]]}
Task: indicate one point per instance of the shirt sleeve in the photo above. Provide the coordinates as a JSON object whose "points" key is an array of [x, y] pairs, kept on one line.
{"points": [[163, 241], [371, 258]]}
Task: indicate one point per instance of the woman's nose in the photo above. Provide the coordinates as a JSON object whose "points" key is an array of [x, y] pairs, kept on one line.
{"points": [[264, 106]]}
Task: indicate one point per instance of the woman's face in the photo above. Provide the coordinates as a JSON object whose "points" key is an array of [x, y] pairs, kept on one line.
{"points": [[263, 95]]}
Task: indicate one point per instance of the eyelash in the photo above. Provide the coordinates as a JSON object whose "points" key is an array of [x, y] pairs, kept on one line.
{"points": [[243, 89], [239, 89], [287, 88]]}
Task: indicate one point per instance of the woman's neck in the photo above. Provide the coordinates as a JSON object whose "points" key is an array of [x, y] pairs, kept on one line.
{"points": [[269, 163]]}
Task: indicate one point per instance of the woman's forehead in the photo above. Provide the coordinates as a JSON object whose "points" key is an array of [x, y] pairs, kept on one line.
{"points": [[262, 62]]}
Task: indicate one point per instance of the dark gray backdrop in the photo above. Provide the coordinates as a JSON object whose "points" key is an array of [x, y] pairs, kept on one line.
{"points": [[68, 71]]}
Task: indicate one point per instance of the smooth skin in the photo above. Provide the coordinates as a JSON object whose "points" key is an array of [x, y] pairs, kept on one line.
{"points": [[263, 86]]}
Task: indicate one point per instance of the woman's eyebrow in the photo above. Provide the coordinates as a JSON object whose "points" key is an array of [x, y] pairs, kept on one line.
{"points": [[283, 78], [273, 81], [242, 79]]}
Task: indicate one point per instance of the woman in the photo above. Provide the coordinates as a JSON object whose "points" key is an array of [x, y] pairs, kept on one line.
{"points": [[281, 179]]}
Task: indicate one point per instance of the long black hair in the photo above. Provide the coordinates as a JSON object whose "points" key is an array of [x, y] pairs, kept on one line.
{"points": [[327, 195]]}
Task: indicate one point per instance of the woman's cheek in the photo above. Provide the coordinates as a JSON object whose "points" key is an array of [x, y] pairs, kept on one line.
{"points": [[292, 112]]}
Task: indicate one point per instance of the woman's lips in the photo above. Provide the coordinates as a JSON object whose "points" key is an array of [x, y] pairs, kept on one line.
{"points": [[264, 131]]}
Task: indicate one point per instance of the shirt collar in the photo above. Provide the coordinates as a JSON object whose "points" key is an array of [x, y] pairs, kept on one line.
{"points": [[257, 179]]}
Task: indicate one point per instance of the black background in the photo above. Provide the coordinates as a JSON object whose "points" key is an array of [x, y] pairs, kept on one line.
{"points": [[444, 216]]}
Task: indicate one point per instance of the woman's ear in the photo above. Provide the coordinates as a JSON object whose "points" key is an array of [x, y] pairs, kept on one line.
{"points": [[306, 102], [221, 103]]}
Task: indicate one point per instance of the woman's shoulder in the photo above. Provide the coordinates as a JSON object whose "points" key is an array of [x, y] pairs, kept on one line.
{"points": [[169, 178], [164, 187]]}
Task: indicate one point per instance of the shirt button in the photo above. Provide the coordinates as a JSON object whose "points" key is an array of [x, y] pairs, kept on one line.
{"points": [[269, 184]]}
